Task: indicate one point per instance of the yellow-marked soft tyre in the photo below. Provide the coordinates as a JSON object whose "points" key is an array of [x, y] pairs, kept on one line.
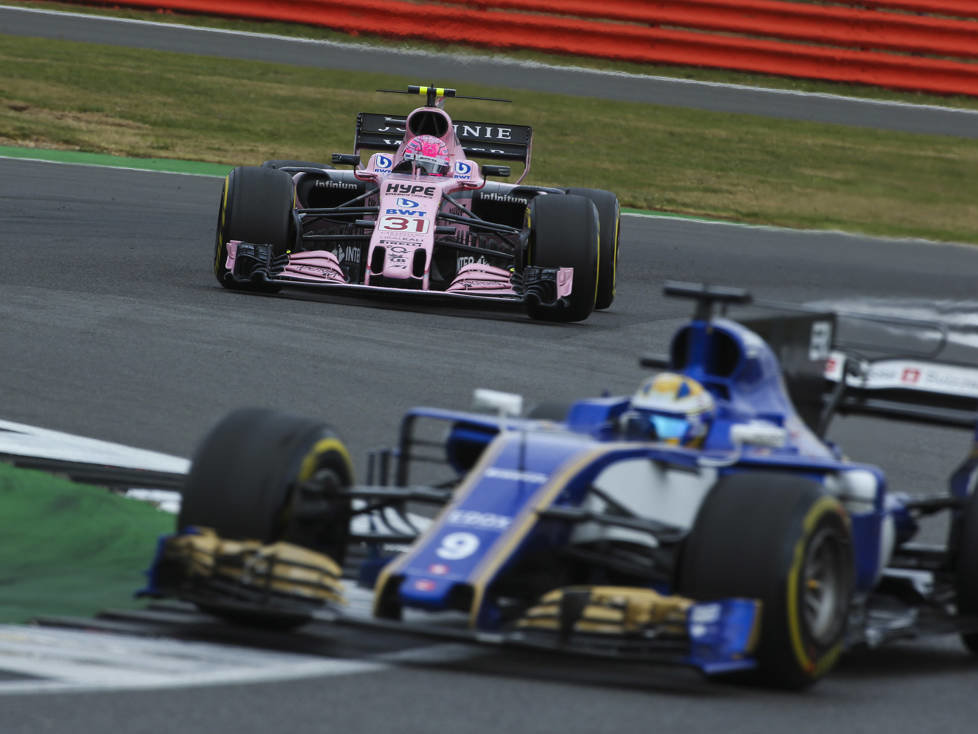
{"points": [[564, 233], [609, 224], [256, 206], [781, 539], [966, 566], [269, 476]]}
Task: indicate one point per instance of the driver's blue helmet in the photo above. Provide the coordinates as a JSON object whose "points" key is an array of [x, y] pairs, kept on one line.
{"points": [[672, 408]]}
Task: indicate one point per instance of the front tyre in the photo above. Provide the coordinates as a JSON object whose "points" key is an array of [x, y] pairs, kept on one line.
{"points": [[256, 207], [564, 233], [609, 225], [780, 539], [269, 476]]}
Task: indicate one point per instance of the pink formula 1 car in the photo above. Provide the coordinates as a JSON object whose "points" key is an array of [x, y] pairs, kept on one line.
{"points": [[421, 218]]}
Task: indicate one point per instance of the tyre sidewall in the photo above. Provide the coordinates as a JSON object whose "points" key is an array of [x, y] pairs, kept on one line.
{"points": [[609, 225], [750, 540], [564, 233]]}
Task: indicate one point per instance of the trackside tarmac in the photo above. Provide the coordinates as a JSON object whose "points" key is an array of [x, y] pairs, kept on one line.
{"points": [[71, 549]]}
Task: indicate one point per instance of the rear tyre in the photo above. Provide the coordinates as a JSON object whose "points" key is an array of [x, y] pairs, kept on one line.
{"points": [[966, 570], [780, 539], [256, 207], [609, 224], [564, 233]]}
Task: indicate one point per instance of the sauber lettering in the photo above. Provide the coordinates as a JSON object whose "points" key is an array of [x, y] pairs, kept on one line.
{"points": [[515, 475], [410, 189]]}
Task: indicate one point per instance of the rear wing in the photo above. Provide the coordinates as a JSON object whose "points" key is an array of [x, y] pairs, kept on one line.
{"points": [[910, 389], [479, 139], [826, 376]]}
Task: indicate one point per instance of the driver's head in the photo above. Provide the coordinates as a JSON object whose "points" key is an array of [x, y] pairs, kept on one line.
{"points": [[428, 155], [672, 408]]}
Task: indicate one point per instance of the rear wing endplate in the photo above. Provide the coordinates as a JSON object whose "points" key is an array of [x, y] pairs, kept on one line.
{"points": [[823, 380], [911, 389], [479, 139]]}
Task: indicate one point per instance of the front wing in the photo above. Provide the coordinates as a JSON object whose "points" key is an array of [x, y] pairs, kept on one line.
{"points": [[251, 264], [286, 584]]}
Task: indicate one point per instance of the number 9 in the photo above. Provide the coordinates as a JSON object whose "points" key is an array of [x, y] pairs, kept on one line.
{"points": [[456, 546]]}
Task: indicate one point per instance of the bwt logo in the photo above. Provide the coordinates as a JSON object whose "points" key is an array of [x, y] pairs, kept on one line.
{"points": [[382, 161], [463, 169], [408, 203], [405, 188]]}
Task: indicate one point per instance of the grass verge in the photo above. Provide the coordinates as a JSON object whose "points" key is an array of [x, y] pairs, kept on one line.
{"points": [[149, 104], [71, 549]]}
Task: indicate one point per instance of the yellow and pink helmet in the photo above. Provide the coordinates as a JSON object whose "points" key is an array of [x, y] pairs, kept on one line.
{"points": [[672, 408]]}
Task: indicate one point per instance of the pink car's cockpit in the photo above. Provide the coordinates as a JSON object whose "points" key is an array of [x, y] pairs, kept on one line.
{"points": [[429, 147]]}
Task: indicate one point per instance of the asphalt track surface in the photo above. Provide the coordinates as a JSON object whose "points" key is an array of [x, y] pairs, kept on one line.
{"points": [[114, 327], [458, 70]]}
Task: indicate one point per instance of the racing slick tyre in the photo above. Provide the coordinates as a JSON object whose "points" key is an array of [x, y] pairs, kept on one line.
{"points": [[277, 163], [564, 234], [609, 224], [780, 539], [966, 567], [269, 476], [256, 206]]}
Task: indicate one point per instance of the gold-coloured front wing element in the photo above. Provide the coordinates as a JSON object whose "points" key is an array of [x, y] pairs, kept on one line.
{"points": [[611, 610], [280, 568]]}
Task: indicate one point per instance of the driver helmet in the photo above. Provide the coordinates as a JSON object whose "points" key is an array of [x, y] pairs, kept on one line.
{"points": [[428, 154], [672, 408]]}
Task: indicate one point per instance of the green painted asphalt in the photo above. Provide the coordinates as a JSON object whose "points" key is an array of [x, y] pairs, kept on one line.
{"points": [[100, 159], [71, 549]]}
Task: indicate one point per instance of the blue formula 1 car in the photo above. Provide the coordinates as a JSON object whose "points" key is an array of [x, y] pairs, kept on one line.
{"points": [[702, 521]]}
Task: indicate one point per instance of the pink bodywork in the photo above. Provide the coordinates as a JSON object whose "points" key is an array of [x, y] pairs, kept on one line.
{"points": [[405, 226]]}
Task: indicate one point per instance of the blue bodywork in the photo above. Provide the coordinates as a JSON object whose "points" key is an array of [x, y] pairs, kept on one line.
{"points": [[512, 469], [521, 488]]}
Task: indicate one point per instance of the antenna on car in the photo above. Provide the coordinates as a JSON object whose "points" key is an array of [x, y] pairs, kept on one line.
{"points": [[433, 94]]}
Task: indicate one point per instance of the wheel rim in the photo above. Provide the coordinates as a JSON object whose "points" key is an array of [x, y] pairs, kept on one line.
{"points": [[826, 586]]}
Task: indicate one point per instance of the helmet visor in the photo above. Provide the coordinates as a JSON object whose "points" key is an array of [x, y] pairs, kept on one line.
{"points": [[431, 165], [669, 427]]}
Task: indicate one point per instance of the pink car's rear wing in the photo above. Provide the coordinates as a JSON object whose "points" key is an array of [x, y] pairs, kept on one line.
{"points": [[479, 139]]}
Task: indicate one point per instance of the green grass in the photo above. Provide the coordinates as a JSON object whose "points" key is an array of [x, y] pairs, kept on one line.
{"points": [[148, 104], [71, 549]]}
